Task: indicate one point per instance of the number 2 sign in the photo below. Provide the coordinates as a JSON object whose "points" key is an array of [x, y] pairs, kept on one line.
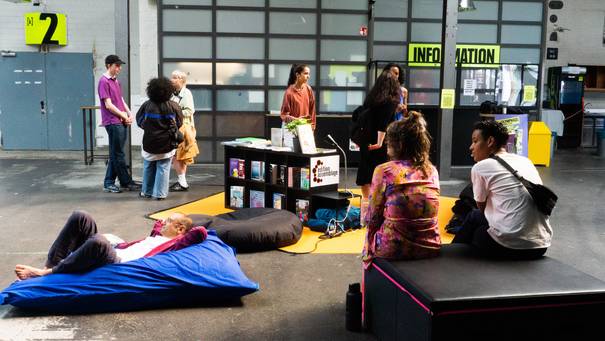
{"points": [[45, 28]]}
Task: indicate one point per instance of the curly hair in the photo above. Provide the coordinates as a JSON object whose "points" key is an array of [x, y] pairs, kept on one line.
{"points": [[160, 90], [401, 77], [386, 89], [494, 129], [295, 69], [409, 139]]}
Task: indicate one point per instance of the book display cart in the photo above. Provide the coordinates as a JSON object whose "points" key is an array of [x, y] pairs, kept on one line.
{"points": [[275, 179]]}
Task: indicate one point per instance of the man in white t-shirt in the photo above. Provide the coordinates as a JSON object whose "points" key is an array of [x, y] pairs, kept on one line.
{"points": [[79, 248], [507, 222]]}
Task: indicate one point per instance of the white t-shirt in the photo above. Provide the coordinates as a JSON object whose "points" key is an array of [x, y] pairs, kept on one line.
{"points": [[514, 219], [140, 249]]}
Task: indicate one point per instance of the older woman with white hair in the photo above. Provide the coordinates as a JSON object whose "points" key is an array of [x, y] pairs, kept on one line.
{"points": [[188, 149]]}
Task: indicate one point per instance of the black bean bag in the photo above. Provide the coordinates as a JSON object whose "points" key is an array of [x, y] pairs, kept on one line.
{"points": [[253, 229]]}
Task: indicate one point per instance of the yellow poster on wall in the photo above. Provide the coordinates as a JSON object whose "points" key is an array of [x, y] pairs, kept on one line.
{"points": [[529, 93], [45, 28], [466, 55], [448, 98]]}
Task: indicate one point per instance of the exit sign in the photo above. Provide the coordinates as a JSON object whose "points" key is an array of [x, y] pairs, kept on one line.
{"points": [[45, 28]]}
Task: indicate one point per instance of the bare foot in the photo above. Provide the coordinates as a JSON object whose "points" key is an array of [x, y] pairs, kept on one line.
{"points": [[26, 271]]}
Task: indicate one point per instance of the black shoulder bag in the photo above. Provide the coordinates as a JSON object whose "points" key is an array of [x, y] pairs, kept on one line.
{"points": [[544, 198]]}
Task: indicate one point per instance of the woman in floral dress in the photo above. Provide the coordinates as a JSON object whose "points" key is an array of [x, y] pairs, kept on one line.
{"points": [[404, 196]]}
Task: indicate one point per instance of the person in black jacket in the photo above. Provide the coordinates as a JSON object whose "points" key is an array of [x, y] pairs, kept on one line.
{"points": [[382, 101], [160, 119]]}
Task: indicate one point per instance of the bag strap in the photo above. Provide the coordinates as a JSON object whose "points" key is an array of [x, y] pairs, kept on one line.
{"points": [[512, 170]]}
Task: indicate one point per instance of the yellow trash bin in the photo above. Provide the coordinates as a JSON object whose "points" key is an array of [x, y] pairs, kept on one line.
{"points": [[539, 144]]}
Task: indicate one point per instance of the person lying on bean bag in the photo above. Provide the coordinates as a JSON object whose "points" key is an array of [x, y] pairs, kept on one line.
{"points": [[80, 248]]}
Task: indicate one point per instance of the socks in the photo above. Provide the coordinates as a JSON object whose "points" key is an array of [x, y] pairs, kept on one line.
{"points": [[181, 179]]}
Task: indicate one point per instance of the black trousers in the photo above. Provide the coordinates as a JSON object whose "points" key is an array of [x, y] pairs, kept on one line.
{"points": [[474, 232], [79, 248]]}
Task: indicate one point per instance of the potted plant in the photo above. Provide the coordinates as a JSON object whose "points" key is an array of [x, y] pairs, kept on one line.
{"points": [[291, 126]]}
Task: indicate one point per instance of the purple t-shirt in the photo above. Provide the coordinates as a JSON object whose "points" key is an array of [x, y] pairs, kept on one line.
{"points": [[110, 88]]}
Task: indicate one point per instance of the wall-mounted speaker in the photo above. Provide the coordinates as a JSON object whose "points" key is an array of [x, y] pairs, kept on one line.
{"points": [[555, 4]]}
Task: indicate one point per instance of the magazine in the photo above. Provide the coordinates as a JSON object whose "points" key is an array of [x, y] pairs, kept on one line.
{"points": [[257, 198], [302, 210], [257, 170], [233, 165], [278, 201], [304, 178], [236, 196]]}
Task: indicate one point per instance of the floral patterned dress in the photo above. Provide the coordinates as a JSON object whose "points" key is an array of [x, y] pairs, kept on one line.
{"points": [[402, 215]]}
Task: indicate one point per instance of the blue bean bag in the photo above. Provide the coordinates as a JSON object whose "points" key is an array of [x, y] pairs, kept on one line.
{"points": [[203, 273]]}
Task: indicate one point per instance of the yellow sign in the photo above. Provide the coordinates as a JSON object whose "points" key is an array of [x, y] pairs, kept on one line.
{"points": [[448, 98], [529, 93], [466, 55], [45, 28]]}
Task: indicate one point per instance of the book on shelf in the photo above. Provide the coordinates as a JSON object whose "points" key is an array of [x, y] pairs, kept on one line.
{"points": [[233, 166], [257, 198], [241, 168], [282, 175], [294, 177], [305, 179], [279, 201], [306, 139], [273, 173], [236, 196], [302, 209], [257, 170]]}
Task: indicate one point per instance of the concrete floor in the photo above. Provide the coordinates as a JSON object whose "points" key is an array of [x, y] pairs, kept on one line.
{"points": [[302, 297]]}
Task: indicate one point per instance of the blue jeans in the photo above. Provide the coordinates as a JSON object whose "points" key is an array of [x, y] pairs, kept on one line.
{"points": [[116, 166], [156, 175]]}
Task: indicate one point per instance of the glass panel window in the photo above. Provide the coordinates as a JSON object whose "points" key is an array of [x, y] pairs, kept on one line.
{"points": [[250, 125], [188, 2], [202, 98], [521, 34], [477, 33], [519, 55], [423, 78], [197, 73], [485, 10], [240, 48], [426, 32], [240, 100], [292, 23], [276, 98], [186, 20], [522, 11], [530, 77], [391, 8], [343, 50], [390, 31], [345, 4], [342, 24], [390, 52], [343, 75], [247, 3], [482, 82], [423, 98], [293, 3], [240, 21], [279, 73], [509, 81], [240, 74], [292, 49], [427, 9], [340, 101], [186, 47]]}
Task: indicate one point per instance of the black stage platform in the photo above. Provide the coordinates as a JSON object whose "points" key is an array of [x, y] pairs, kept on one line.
{"points": [[460, 296]]}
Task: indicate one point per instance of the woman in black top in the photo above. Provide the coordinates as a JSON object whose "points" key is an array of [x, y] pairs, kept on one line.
{"points": [[382, 102]]}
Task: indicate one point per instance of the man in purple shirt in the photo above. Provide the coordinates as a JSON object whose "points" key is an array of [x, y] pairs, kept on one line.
{"points": [[116, 118]]}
